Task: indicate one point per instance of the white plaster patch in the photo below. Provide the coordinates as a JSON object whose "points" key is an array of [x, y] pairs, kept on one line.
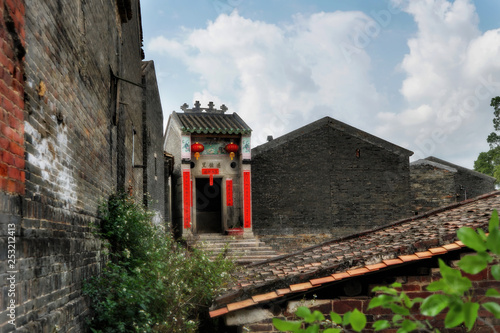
{"points": [[243, 317], [294, 305], [52, 153]]}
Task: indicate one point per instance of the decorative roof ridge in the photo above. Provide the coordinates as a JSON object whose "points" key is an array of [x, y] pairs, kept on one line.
{"points": [[378, 228]]}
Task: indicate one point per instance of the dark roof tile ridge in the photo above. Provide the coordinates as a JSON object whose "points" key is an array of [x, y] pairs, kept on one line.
{"points": [[378, 228]]}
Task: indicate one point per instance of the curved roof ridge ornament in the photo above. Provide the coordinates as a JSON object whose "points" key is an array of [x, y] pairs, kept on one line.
{"points": [[198, 109]]}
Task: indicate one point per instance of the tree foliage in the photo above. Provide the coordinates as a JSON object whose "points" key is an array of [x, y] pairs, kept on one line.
{"points": [[453, 295], [489, 162], [150, 283]]}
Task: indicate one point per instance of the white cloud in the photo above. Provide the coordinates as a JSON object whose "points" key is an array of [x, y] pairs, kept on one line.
{"points": [[280, 78], [452, 70]]}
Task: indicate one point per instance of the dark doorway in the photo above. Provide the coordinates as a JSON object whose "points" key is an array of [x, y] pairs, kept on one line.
{"points": [[208, 205]]}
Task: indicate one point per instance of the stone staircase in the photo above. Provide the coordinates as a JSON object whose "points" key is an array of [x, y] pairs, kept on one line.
{"points": [[242, 250]]}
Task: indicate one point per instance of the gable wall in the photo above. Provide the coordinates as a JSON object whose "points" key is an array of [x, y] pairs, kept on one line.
{"points": [[315, 185]]}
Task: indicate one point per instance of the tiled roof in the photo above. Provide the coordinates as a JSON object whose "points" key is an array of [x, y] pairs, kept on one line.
{"points": [[211, 123], [421, 237]]}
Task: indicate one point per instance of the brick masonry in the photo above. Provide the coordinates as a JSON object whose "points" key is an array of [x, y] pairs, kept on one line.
{"points": [[437, 183], [325, 180], [72, 98]]}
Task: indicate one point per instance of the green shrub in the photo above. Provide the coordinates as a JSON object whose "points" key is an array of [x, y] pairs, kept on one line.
{"points": [[150, 283]]}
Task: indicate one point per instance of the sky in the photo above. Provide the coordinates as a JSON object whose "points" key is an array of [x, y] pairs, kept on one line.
{"points": [[419, 74]]}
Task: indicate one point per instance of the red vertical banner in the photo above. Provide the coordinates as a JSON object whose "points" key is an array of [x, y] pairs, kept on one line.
{"points": [[229, 192], [247, 200], [186, 194]]}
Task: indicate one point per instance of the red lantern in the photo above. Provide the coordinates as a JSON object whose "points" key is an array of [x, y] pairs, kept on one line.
{"points": [[231, 148], [197, 148]]}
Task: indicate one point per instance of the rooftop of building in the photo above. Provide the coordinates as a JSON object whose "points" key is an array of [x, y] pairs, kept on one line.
{"points": [[338, 125], [210, 120], [417, 238]]}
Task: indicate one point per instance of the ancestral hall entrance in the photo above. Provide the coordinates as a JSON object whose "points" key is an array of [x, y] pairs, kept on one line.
{"points": [[208, 205]]}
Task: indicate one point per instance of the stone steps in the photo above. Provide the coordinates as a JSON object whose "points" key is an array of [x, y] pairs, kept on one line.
{"points": [[241, 250]]}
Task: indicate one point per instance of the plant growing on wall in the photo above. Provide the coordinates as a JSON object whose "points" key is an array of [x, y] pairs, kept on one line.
{"points": [[453, 295], [150, 283]]}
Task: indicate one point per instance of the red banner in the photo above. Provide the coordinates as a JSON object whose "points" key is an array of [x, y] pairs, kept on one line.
{"points": [[229, 192], [186, 194], [247, 200], [210, 172]]}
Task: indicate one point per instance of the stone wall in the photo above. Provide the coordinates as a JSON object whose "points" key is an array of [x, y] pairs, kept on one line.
{"points": [[327, 181], [71, 133]]}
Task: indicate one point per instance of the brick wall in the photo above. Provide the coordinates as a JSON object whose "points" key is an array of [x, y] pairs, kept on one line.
{"points": [[437, 183], [432, 186], [413, 285], [12, 51], [71, 133], [153, 160], [315, 183]]}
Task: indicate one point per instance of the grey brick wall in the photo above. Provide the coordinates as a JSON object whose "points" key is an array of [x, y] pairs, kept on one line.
{"points": [[80, 146], [437, 183], [315, 183]]}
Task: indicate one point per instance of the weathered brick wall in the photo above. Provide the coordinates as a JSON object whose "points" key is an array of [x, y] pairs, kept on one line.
{"points": [[79, 146], [12, 51], [413, 286], [153, 160], [437, 183], [432, 186], [316, 184]]}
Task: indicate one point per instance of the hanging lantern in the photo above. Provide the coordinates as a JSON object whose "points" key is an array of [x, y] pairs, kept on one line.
{"points": [[232, 148], [197, 148]]}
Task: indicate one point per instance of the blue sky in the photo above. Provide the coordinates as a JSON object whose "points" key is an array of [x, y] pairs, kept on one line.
{"points": [[419, 73]]}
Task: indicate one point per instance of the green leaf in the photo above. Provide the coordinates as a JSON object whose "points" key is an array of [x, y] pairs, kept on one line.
{"points": [[470, 310], [336, 318], [492, 292], [439, 285], [381, 325], [332, 330], [303, 312], [495, 271], [387, 290], [313, 329], [454, 282], [494, 221], [493, 241], [455, 316], [285, 326], [380, 300], [397, 318], [318, 315], [358, 320], [408, 325], [347, 318], [472, 264], [471, 239], [493, 308], [434, 304], [482, 234], [399, 309]]}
